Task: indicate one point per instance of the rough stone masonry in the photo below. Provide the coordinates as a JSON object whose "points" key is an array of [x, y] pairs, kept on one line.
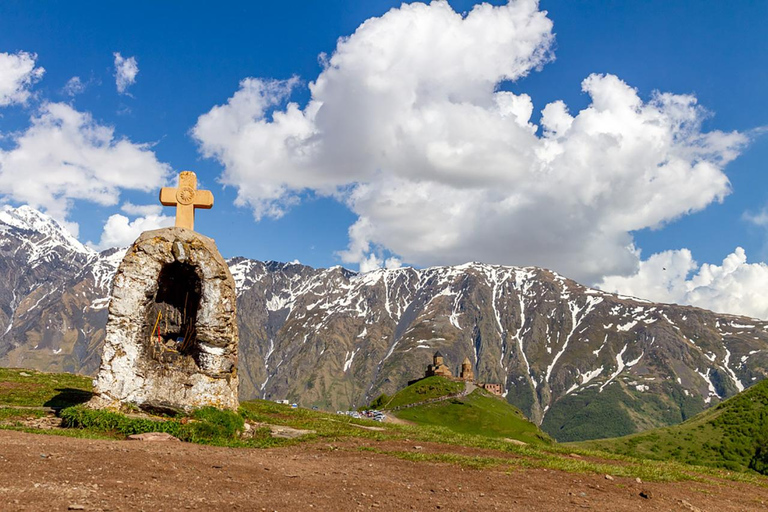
{"points": [[171, 340]]}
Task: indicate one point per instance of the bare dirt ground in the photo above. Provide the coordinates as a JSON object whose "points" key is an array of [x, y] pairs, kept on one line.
{"points": [[39, 472]]}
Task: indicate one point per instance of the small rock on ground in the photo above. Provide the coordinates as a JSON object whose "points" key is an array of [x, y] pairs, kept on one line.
{"points": [[153, 436]]}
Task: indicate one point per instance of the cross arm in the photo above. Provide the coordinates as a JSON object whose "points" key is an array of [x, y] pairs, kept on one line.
{"points": [[168, 196], [203, 199]]}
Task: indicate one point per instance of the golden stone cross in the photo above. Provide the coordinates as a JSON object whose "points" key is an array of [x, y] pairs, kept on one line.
{"points": [[186, 198]]}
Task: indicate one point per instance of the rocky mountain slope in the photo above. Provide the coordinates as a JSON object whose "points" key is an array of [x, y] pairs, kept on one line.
{"points": [[580, 362]]}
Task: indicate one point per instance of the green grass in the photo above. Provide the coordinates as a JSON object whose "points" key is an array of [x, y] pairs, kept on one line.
{"points": [[733, 435], [205, 426], [211, 426], [12, 413], [425, 389], [479, 413], [30, 388], [648, 471]]}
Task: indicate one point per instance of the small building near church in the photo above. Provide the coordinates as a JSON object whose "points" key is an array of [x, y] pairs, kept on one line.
{"points": [[491, 388]]}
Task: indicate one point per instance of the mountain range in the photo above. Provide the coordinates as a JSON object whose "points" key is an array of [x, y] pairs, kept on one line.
{"points": [[579, 362]]}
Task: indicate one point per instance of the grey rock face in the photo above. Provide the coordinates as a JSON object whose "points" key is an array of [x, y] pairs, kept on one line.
{"points": [[171, 336]]}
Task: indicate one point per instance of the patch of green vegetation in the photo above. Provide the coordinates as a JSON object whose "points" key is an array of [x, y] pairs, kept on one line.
{"points": [[617, 411], [206, 426], [479, 413], [8, 414], [326, 426], [650, 471], [733, 435], [380, 402], [471, 462], [30, 388], [422, 390], [521, 394], [76, 433]]}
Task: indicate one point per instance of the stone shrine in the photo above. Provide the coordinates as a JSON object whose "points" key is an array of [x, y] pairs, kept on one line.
{"points": [[171, 340]]}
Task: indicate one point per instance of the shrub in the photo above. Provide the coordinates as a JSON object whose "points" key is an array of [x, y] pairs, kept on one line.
{"points": [[207, 425]]}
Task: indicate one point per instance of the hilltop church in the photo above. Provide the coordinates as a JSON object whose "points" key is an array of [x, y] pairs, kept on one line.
{"points": [[440, 369]]}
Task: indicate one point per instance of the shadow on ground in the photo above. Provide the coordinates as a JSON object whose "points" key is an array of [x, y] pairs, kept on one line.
{"points": [[68, 397]]}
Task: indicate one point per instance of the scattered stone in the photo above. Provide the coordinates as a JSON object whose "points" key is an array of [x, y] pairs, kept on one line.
{"points": [[288, 432], [575, 455], [366, 427], [645, 494], [515, 441], [44, 423], [76, 506], [24, 374], [417, 447], [153, 436], [689, 506], [638, 480], [608, 477]]}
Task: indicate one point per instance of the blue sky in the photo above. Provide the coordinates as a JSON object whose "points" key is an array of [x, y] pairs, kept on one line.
{"points": [[193, 58]]}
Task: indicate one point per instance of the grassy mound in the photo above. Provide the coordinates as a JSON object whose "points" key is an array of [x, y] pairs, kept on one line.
{"points": [[423, 390], [479, 413], [733, 435]]}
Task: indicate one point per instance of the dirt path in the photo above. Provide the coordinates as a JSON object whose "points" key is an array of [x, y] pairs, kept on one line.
{"points": [[56, 473]]}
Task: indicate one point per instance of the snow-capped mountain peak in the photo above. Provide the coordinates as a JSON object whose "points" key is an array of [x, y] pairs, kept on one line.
{"points": [[42, 236]]}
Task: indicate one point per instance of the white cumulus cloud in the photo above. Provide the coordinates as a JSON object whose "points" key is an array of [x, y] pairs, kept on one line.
{"points": [[126, 70], [735, 286], [141, 209], [17, 74], [408, 126], [65, 155], [120, 231], [74, 86]]}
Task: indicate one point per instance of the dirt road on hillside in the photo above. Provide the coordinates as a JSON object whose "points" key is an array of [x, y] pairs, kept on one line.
{"points": [[42, 473]]}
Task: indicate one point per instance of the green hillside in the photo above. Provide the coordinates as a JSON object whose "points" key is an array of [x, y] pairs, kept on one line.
{"points": [[618, 410], [478, 413], [420, 391], [733, 435]]}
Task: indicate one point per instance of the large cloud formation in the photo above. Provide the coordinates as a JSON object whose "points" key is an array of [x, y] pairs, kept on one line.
{"points": [[407, 125], [673, 276], [17, 74], [65, 155]]}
